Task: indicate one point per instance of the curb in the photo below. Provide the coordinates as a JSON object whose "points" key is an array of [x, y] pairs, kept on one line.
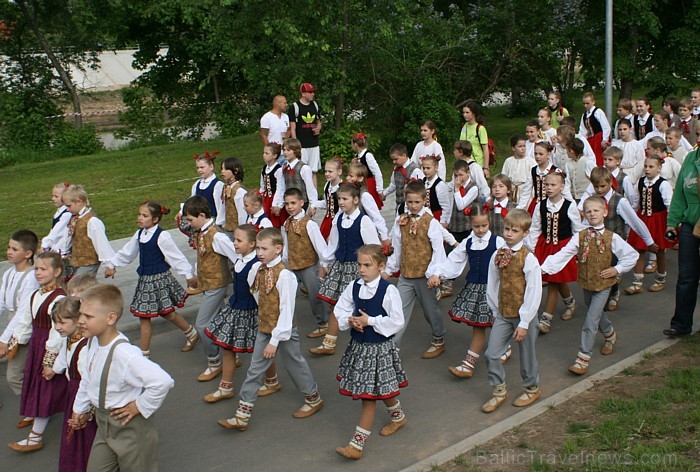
{"points": [[518, 419]]}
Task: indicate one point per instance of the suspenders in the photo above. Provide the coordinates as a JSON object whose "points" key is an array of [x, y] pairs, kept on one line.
{"points": [[105, 374]]}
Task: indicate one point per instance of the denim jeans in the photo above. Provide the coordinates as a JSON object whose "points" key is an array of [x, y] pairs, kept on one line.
{"points": [[688, 276]]}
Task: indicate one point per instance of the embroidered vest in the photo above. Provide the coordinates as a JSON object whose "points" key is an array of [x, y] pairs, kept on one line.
{"points": [[576, 170], [431, 197], [538, 193], [511, 293], [241, 298], [268, 303], [416, 251], [208, 194], [373, 307], [331, 201], [151, 258], [230, 205], [650, 199], [301, 252], [82, 250], [349, 239], [479, 261], [269, 181], [589, 271], [641, 130], [591, 123], [556, 226], [212, 268]]}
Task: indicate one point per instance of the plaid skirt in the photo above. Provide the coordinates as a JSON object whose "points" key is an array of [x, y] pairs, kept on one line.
{"points": [[470, 306], [371, 371], [157, 295], [340, 275], [234, 329]]}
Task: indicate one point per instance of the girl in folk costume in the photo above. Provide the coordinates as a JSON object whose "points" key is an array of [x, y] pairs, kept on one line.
{"points": [[42, 396], [72, 362], [518, 166], [334, 174], [544, 118], [233, 194], [643, 120], [655, 195], [429, 147], [357, 175], [533, 190], [351, 230], [594, 127], [56, 239], [371, 369], [298, 175], [157, 292], [375, 183], [255, 214], [270, 176], [437, 194], [555, 107], [662, 123], [470, 306], [577, 169], [500, 204], [534, 136], [632, 150], [554, 222], [465, 193], [235, 326]]}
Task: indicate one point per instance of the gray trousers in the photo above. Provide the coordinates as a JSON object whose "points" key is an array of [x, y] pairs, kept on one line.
{"points": [[596, 319], [86, 269], [409, 290], [500, 338], [309, 277], [130, 448], [294, 363], [15, 369], [211, 302]]}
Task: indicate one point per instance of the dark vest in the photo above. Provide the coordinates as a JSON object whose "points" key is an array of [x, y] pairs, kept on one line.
{"points": [[208, 194], [556, 226], [242, 299], [400, 181], [43, 317], [431, 196], [363, 160], [459, 222], [642, 130], [592, 124], [373, 307], [479, 261], [270, 181], [55, 220], [538, 193], [151, 258], [292, 178], [331, 201], [349, 240], [650, 198]]}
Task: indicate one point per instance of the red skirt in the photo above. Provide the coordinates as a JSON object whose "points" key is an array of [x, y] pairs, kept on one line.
{"points": [[596, 142], [326, 226], [570, 271], [656, 223], [372, 189], [531, 206], [267, 207]]}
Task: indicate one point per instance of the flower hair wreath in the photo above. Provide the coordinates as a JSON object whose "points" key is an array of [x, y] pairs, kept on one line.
{"points": [[209, 156]]}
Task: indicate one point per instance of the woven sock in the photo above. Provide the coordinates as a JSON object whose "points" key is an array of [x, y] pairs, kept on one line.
{"points": [[437, 341], [660, 278], [532, 389], [244, 411], [272, 381], [582, 359], [470, 360], [313, 399], [569, 301], [191, 332], [546, 318], [611, 337], [226, 387], [359, 438], [500, 390], [396, 412], [214, 362], [329, 341], [638, 279]]}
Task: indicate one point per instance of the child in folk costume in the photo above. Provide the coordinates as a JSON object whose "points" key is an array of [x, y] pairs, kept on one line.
{"points": [[624, 112], [87, 238], [275, 290], [565, 136], [462, 151], [254, 213], [233, 193], [72, 362], [429, 147], [500, 203], [403, 169], [513, 294], [375, 183], [662, 123], [465, 193], [470, 306], [594, 127], [357, 175], [42, 396], [620, 182], [157, 293], [437, 194], [554, 222], [643, 120], [533, 190], [298, 175], [534, 135], [351, 230], [673, 140], [655, 195], [632, 150], [595, 248], [371, 368], [214, 250], [235, 326], [418, 246], [518, 166], [577, 169], [544, 119], [270, 176], [56, 239], [333, 173], [123, 388], [687, 124]]}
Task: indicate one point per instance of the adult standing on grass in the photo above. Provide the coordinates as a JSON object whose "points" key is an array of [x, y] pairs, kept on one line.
{"points": [[274, 125], [685, 212], [305, 125], [475, 132]]}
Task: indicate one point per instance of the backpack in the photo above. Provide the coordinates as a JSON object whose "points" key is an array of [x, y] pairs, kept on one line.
{"points": [[492, 147]]}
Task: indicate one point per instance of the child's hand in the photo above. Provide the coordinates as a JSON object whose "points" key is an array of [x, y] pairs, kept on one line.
{"points": [[519, 334], [47, 373], [487, 173], [383, 197], [193, 282], [434, 281], [608, 273], [269, 351], [354, 324], [276, 210], [384, 275], [322, 272], [653, 248], [109, 273], [362, 320], [78, 420], [128, 411], [604, 144], [386, 242], [445, 225], [312, 212], [3, 350]]}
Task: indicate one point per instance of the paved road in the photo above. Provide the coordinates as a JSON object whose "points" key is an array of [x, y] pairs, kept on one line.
{"points": [[442, 410]]}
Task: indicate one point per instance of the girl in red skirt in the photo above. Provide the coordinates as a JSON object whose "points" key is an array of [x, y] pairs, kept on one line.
{"points": [[594, 127], [334, 177], [533, 190], [271, 173], [554, 221], [375, 183], [655, 195]]}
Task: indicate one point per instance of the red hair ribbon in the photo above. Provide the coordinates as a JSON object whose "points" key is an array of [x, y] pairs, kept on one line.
{"points": [[162, 209], [147, 200], [468, 211], [360, 135], [209, 156], [338, 159], [437, 157], [66, 184], [487, 206], [388, 250]]}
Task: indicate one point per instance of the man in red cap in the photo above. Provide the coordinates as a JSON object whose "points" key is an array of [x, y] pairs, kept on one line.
{"points": [[305, 125]]}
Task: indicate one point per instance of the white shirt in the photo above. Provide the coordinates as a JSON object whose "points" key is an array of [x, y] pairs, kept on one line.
{"points": [[527, 192], [173, 256], [679, 154], [56, 240], [23, 329], [392, 185], [15, 292], [630, 117], [434, 235], [287, 288], [670, 170], [251, 219], [602, 119], [384, 325], [476, 173], [626, 255], [433, 148], [132, 377], [369, 206], [278, 197], [530, 149], [632, 153], [443, 196], [629, 191], [65, 357], [367, 230], [317, 241], [307, 177], [628, 215], [276, 126], [458, 259], [536, 228], [238, 202], [518, 170], [462, 202], [660, 134], [373, 168], [533, 287], [218, 202], [98, 236]]}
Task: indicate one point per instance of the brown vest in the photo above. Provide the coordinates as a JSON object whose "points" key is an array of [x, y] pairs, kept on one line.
{"points": [[300, 250], [589, 271], [416, 251], [231, 210], [82, 251], [212, 268], [511, 294], [268, 303]]}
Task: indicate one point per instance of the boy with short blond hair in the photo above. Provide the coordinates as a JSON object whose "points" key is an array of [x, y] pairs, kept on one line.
{"points": [[403, 168], [687, 124]]}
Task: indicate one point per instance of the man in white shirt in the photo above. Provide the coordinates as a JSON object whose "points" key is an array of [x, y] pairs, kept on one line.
{"points": [[274, 125]]}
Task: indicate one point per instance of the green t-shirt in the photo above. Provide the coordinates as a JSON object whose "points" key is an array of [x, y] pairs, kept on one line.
{"points": [[469, 134], [685, 205], [555, 121]]}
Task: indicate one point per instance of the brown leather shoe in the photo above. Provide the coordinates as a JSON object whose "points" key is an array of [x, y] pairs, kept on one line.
{"points": [[191, 343], [319, 332], [307, 410], [460, 371], [24, 422], [218, 396], [38, 443], [266, 390], [493, 403], [233, 423], [527, 398], [210, 373], [349, 451], [322, 351], [607, 348], [578, 369], [433, 351], [393, 426]]}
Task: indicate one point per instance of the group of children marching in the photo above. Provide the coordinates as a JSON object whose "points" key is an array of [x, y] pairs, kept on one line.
{"points": [[559, 212]]}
